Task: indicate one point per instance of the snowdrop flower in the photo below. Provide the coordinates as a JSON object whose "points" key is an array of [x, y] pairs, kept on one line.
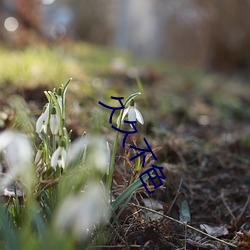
{"points": [[17, 152], [54, 121], [98, 152], [59, 157], [42, 122], [133, 113], [79, 214]]}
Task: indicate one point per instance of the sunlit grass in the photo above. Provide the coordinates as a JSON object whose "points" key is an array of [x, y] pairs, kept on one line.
{"points": [[37, 65], [41, 64]]}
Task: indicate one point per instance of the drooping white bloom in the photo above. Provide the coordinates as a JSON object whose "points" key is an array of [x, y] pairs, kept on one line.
{"points": [[54, 121], [79, 214], [42, 122], [98, 152], [59, 157], [133, 113], [17, 152]]}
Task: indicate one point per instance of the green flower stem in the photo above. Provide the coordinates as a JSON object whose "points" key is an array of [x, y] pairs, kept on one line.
{"points": [[66, 136], [46, 147], [54, 142], [112, 164]]}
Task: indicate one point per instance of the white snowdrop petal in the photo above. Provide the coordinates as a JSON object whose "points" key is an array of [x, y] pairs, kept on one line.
{"points": [[39, 123], [44, 127], [139, 116], [18, 156], [63, 158], [124, 113], [54, 124], [42, 121], [132, 115], [19, 151], [55, 156], [61, 163], [101, 154], [5, 138], [64, 154], [79, 214], [66, 215], [77, 148], [59, 99]]}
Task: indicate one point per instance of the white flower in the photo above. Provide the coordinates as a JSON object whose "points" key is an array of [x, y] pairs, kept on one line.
{"points": [[98, 152], [17, 152], [42, 122], [54, 121], [59, 157], [79, 214], [100, 155], [133, 113]]}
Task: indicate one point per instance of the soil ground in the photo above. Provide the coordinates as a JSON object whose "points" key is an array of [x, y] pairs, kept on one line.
{"points": [[199, 128]]}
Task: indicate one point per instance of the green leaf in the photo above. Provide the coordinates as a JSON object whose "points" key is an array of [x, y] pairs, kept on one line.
{"points": [[39, 222], [65, 87], [185, 212]]}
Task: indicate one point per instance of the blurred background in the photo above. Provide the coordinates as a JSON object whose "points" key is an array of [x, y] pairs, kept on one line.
{"points": [[186, 52], [211, 34], [193, 60]]}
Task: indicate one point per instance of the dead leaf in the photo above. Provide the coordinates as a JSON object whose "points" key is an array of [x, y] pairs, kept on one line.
{"points": [[245, 236], [215, 231], [153, 204]]}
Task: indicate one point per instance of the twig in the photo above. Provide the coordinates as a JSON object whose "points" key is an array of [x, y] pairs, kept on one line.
{"points": [[227, 207], [237, 220], [48, 185], [184, 224], [117, 246]]}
